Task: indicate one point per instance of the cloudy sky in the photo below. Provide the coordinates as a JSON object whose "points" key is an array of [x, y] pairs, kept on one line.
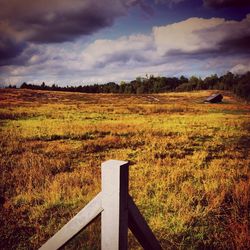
{"points": [[95, 41]]}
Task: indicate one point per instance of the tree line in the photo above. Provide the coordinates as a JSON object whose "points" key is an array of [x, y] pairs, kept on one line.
{"points": [[239, 84]]}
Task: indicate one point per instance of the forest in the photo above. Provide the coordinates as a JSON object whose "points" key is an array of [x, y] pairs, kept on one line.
{"points": [[239, 84]]}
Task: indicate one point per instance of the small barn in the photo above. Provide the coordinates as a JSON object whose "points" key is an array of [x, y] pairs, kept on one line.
{"points": [[215, 98]]}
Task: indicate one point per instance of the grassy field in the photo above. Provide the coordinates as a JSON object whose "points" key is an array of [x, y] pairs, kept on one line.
{"points": [[189, 171]]}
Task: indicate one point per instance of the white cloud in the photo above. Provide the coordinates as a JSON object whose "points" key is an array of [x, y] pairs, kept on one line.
{"points": [[184, 36], [133, 49], [240, 68], [196, 35]]}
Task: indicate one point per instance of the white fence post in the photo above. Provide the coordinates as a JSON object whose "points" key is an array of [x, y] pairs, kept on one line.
{"points": [[118, 211], [114, 219]]}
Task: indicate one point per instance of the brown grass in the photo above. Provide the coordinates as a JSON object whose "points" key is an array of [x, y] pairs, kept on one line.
{"points": [[189, 170]]}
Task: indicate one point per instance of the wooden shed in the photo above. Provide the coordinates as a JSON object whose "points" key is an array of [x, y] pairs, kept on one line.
{"points": [[215, 98]]}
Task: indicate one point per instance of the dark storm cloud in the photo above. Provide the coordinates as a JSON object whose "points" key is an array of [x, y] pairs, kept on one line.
{"points": [[51, 21], [169, 2], [226, 3], [236, 45], [9, 49]]}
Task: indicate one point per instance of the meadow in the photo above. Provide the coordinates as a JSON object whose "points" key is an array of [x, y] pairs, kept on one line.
{"points": [[189, 165]]}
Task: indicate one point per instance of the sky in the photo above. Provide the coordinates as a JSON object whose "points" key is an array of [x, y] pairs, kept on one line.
{"points": [[73, 42]]}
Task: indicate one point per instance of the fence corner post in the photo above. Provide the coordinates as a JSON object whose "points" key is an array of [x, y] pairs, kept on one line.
{"points": [[114, 218]]}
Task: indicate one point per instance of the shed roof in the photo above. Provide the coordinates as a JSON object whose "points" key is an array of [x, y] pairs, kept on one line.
{"points": [[214, 98]]}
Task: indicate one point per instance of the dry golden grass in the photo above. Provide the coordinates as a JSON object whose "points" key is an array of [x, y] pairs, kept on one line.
{"points": [[189, 170]]}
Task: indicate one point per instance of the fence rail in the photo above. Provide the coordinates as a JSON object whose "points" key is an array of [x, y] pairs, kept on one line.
{"points": [[118, 213]]}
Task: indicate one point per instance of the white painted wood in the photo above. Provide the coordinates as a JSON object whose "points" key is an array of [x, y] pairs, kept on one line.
{"points": [[114, 220], [77, 223], [140, 228], [118, 212]]}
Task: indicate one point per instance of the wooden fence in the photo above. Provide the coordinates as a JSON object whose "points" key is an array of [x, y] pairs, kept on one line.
{"points": [[118, 213]]}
